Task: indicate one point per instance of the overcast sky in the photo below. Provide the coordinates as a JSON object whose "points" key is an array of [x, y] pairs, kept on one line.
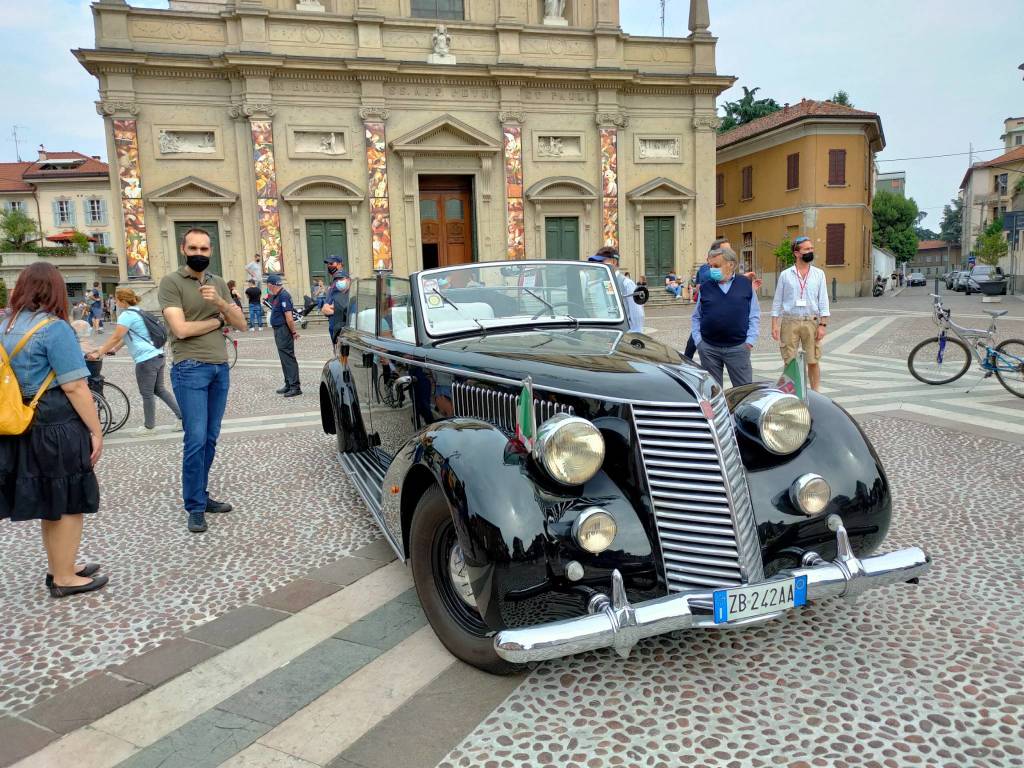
{"points": [[941, 73]]}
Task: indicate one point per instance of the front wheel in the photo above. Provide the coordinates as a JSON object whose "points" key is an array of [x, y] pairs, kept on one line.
{"points": [[443, 586], [1010, 366], [231, 345], [939, 360]]}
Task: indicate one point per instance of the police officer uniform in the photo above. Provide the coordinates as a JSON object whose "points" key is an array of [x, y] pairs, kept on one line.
{"points": [[283, 339], [337, 296]]}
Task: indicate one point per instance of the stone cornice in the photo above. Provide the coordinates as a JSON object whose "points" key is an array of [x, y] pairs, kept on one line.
{"points": [[512, 116], [252, 109], [374, 114], [612, 120], [706, 122], [117, 108]]}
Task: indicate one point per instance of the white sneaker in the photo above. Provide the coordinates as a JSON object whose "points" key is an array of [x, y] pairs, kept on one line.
{"points": [[252, 330], [140, 432]]}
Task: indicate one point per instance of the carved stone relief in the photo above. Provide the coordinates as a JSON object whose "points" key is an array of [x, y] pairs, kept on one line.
{"points": [[315, 142], [558, 146], [658, 149], [187, 142]]}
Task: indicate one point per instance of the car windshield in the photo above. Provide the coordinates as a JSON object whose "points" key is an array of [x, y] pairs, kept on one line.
{"points": [[487, 296]]}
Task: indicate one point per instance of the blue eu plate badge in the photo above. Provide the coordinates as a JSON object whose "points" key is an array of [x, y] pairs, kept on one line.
{"points": [[758, 599]]}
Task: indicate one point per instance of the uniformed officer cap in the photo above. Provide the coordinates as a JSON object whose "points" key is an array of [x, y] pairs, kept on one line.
{"points": [[332, 259], [274, 280]]}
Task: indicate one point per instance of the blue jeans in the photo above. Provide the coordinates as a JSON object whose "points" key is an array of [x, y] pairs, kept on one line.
{"points": [[675, 290], [201, 390], [255, 316]]}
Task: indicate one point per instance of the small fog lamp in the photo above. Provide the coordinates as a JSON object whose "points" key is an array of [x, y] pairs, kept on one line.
{"points": [[594, 530], [810, 494]]}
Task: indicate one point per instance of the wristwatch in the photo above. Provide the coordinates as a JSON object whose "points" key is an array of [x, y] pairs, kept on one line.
{"points": [[222, 323]]}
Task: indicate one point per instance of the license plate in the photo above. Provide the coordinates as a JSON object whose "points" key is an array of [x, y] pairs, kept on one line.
{"points": [[756, 600]]}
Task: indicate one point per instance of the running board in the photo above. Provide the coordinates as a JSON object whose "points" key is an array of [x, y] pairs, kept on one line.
{"points": [[366, 469]]}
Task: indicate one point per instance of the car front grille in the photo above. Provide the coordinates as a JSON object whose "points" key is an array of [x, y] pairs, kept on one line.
{"points": [[498, 407], [699, 492]]}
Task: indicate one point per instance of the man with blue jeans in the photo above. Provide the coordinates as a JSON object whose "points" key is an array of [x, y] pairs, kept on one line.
{"points": [[727, 319], [196, 306]]}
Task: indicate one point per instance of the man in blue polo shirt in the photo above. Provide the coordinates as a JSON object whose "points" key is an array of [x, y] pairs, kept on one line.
{"points": [[727, 319], [283, 322], [336, 301]]}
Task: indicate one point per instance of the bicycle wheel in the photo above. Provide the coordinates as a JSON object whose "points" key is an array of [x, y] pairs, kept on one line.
{"points": [[120, 405], [232, 347], [939, 360], [1010, 366], [102, 411]]}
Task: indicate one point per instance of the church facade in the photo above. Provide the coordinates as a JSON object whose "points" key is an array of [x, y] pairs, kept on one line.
{"points": [[404, 134]]}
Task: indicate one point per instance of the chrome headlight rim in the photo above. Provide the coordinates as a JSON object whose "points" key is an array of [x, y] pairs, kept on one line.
{"points": [[589, 515], [543, 447], [758, 407], [800, 485]]}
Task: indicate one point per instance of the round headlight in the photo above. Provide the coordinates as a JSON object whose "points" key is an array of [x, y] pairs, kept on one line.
{"points": [[594, 530], [810, 493], [569, 448], [784, 423]]}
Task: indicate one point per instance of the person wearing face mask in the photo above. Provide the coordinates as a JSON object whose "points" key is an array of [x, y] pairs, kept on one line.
{"points": [[336, 300], [196, 306], [727, 319], [800, 312]]}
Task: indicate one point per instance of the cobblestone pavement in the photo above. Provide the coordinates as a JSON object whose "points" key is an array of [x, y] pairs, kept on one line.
{"points": [[927, 675]]}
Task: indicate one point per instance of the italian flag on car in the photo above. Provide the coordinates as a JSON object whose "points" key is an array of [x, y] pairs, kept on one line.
{"points": [[793, 381], [526, 429]]}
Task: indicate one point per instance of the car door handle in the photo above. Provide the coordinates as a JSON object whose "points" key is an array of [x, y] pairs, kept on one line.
{"points": [[403, 382]]}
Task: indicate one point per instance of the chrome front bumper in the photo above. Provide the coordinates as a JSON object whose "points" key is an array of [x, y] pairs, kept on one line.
{"points": [[613, 622]]}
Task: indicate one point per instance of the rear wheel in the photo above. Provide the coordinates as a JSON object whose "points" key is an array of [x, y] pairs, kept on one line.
{"points": [[120, 405], [102, 411], [231, 344], [939, 360], [444, 589], [1010, 366]]}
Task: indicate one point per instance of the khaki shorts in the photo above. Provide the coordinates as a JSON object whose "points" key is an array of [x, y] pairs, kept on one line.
{"points": [[796, 333]]}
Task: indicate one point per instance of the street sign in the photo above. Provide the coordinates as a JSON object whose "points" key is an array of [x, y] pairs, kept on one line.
{"points": [[971, 261]]}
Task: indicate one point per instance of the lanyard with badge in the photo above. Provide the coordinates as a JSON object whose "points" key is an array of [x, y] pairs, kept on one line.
{"points": [[801, 301]]}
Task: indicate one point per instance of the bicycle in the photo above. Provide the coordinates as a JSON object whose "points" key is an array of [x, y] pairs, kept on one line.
{"points": [[944, 358], [119, 404], [231, 343], [102, 411]]}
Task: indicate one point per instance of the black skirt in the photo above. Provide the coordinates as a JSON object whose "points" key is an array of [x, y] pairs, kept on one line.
{"points": [[45, 472]]}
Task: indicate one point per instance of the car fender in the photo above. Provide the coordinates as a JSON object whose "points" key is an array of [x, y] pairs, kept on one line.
{"points": [[339, 408], [514, 528]]}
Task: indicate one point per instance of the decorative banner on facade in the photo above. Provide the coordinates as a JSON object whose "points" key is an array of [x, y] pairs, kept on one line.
{"points": [[136, 249], [380, 211], [610, 186], [266, 196], [516, 243]]}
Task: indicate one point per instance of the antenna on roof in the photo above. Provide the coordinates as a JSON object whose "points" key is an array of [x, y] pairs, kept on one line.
{"points": [[663, 17], [17, 141]]}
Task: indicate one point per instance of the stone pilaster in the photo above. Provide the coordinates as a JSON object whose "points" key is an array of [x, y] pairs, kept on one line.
{"points": [[515, 221], [704, 229], [609, 123], [377, 176], [129, 173]]}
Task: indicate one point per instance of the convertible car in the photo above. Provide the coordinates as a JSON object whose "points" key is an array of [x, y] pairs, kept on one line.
{"points": [[558, 484]]}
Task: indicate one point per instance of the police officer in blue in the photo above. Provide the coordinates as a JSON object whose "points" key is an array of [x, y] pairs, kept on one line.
{"points": [[283, 322], [336, 301]]}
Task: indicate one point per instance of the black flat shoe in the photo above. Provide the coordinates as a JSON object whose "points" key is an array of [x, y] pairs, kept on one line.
{"points": [[293, 393], [282, 390], [98, 582], [215, 507], [87, 570]]}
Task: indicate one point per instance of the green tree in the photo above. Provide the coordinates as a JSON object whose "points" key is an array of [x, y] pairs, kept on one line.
{"points": [[18, 229], [784, 253], [746, 109], [895, 217], [80, 240], [3, 294], [952, 221], [991, 247], [841, 97]]}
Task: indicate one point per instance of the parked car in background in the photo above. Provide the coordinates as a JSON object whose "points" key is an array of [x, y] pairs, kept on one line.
{"points": [[961, 280], [917, 278], [984, 273], [558, 484], [950, 279]]}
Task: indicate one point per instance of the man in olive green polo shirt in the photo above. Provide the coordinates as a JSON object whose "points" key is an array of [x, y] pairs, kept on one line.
{"points": [[196, 306]]}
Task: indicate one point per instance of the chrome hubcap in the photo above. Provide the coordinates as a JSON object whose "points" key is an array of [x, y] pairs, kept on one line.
{"points": [[460, 576]]}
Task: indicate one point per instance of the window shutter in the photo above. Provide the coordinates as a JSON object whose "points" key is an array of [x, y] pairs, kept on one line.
{"points": [[837, 167], [71, 212], [793, 171], [747, 191], [720, 189], [835, 244], [103, 212], [56, 213]]}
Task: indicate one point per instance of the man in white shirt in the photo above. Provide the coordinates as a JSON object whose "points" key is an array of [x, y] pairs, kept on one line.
{"points": [[800, 310], [254, 270]]}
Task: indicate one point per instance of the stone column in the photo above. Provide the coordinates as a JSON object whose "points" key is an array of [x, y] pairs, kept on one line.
{"points": [[609, 123], [269, 215], [129, 172], [515, 222], [377, 175], [704, 226]]}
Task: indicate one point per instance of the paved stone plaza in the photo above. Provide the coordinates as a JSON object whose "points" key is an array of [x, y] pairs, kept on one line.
{"points": [[287, 635]]}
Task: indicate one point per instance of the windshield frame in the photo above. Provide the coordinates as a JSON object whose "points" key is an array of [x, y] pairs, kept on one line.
{"points": [[509, 323]]}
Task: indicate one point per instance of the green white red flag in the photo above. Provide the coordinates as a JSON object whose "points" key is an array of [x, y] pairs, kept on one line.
{"points": [[793, 380], [526, 428]]}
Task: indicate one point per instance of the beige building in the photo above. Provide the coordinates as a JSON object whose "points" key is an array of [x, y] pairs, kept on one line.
{"points": [[405, 133], [804, 170], [987, 190]]}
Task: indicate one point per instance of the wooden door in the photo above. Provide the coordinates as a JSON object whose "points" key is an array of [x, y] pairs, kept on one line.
{"points": [[181, 227], [562, 237], [324, 237], [446, 221], [659, 247]]}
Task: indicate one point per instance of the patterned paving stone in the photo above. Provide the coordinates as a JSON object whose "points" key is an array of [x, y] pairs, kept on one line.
{"points": [[237, 625], [205, 742], [906, 676], [87, 701]]}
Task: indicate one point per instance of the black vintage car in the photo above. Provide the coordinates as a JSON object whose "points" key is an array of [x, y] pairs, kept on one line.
{"points": [[559, 484]]}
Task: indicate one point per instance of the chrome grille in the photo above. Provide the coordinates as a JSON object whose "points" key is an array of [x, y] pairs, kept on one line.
{"points": [[498, 407], [700, 497]]}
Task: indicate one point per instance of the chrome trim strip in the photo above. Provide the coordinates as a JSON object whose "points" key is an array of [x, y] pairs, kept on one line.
{"points": [[361, 468], [499, 408]]}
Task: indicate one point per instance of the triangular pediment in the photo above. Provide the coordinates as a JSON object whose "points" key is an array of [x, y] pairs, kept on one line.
{"points": [[327, 189], [561, 188], [661, 189], [192, 190], [446, 134]]}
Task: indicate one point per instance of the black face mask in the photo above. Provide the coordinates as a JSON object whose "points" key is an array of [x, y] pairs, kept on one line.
{"points": [[197, 263], [332, 268], [808, 257]]}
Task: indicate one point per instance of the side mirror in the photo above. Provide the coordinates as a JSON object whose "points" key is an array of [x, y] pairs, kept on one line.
{"points": [[641, 295]]}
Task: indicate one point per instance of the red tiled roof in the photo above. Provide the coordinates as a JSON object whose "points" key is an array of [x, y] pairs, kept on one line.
{"points": [[807, 108], [927, 245], [1015, 155], [10, 177], [89, 166]]}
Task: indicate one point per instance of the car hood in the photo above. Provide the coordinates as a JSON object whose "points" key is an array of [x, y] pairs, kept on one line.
{"points": [[602, 362]]}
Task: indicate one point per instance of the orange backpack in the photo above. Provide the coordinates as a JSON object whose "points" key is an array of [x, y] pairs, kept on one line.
{"points": [[15, 416]]}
